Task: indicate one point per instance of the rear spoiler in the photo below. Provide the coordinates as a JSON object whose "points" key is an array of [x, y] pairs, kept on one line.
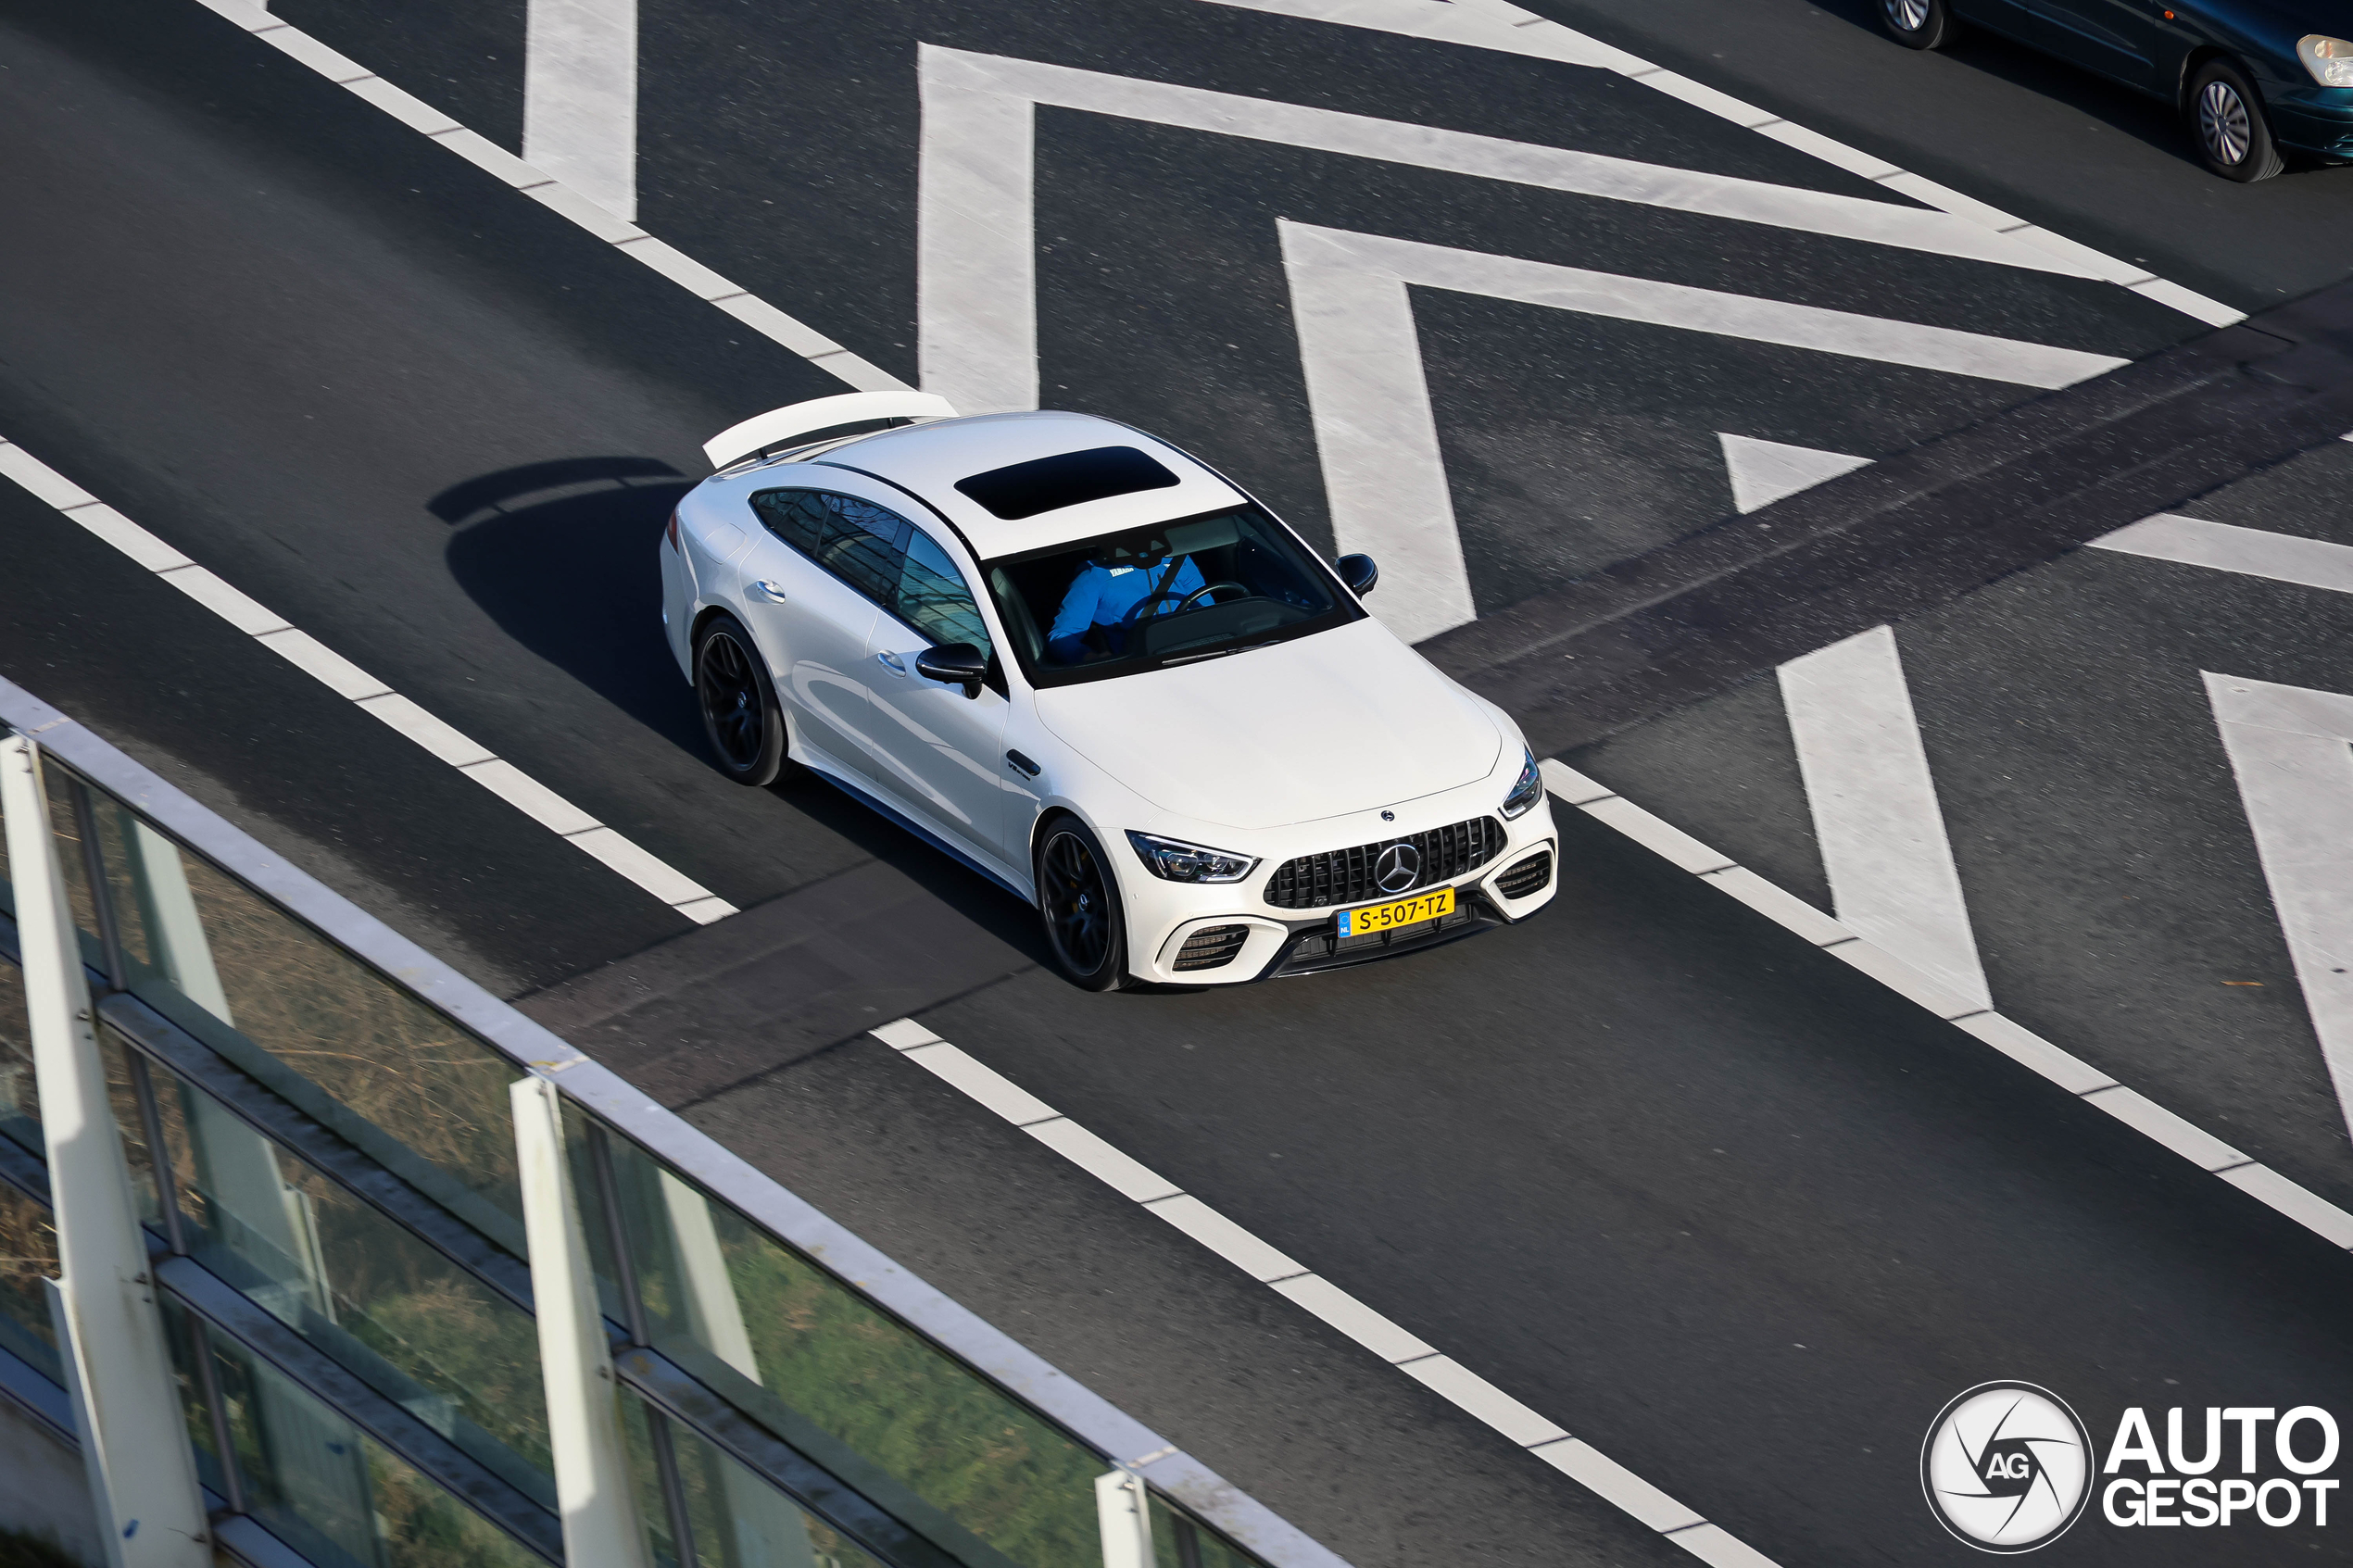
{"points": [[776, 428]]}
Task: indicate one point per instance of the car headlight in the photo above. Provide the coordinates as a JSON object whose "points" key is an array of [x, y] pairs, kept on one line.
{"points": [[1528, 790], [1175, 860], [2328, 59]]}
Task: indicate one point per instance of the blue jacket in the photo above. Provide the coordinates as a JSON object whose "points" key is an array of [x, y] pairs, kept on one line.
{"points": [[1110, 596]]}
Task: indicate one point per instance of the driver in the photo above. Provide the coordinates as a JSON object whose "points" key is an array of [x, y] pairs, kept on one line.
{"points": [[1112, 591]]}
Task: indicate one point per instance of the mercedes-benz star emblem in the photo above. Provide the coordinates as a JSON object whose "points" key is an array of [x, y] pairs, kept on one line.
{"points": [[1398, 868], [2007, 1467]]}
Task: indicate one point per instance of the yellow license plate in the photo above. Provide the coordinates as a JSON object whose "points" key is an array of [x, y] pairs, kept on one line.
{"points": [[1405, 912]]}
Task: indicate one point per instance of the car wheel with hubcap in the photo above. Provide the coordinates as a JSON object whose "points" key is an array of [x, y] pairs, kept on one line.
{"points": [[1078, 897], [740, 710], [2226, 117], [1917, 24]]}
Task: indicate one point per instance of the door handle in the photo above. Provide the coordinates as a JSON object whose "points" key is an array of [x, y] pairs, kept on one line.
{"points": [[891, 662], [768, 591], [1015, 759]]}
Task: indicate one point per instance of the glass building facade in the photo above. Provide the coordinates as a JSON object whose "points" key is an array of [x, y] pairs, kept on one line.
{"points": [[325, 1167]]}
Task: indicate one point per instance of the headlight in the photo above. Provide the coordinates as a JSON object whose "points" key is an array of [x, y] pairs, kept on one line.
{"points": [[1175, 860], [2328, 59], [1528, 790]]}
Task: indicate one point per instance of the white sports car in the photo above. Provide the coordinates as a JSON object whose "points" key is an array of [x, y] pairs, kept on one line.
{"points": [[1095, 669]]}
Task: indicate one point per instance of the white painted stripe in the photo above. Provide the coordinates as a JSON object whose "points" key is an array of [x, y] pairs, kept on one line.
{"points": [[1499, 25], [445, 740], [2029, 1050], [1257, 1258], [1782, 907], [1398, 1347], [1581, 1461], [1873, 801], [580, 97], [365, 692], [1656, 835], [981, 1084], [1905, 980], [596, 152], [1763, 472], [1354, 1319], [322, 663], [2142, 1114], [236, 609], [1481, 1400], [2291, 748], [2255, 552], [977, 272], [1130, 1178]]}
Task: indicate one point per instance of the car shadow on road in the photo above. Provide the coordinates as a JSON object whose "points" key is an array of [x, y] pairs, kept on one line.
{"points": [[562, 556]]}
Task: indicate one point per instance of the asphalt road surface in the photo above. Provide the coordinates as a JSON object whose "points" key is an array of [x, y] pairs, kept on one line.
{"points": [[1709, 1198]]}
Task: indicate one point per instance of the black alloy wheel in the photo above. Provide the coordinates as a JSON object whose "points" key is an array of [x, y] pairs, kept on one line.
{"points": [[1919, 24], [1080, 903], [2226, 117], [740, 712]]}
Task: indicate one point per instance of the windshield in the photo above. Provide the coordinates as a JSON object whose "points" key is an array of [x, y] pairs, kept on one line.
{"points": [[1167, 593]]}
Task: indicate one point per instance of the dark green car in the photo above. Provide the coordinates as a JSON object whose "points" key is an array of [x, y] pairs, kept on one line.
{"points": [[2253, 78]]}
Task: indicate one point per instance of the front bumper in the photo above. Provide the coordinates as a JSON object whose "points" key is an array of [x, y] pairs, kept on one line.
{"points": [[1255, 942], [2311, 119]]}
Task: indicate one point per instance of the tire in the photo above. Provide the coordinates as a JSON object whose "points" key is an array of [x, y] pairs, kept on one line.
{"points": [[1078, 899], [2226, 121], [1919, 24], [740, 717]]}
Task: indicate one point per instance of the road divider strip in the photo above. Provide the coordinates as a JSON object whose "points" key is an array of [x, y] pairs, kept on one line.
{"points": [[2022, 1045], [1444, 1377], [1509, 28], [363, 691], [561, 199]]}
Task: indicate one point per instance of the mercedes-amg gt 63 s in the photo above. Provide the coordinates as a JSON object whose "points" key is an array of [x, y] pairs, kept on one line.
{"points": [[1095, 669]]}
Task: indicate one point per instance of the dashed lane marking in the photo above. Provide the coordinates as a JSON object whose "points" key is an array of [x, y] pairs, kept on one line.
{"points": [[564, 199], [1442, 1374], [2022, 1045], [363, 691], [580, 97], [1502, 26]]}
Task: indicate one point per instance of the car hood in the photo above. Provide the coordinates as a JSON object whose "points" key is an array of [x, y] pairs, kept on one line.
{"points": [[1344, 721]]}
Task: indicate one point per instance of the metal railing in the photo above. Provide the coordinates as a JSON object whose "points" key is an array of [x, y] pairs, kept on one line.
{"points": [[318, 1142]]}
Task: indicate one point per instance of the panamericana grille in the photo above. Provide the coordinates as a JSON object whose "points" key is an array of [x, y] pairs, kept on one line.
{"points": [[1529, 876], [1345, 876], [1212, 948]]}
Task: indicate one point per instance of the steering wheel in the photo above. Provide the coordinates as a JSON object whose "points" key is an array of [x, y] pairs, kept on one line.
{"points": [[1203, 591]]}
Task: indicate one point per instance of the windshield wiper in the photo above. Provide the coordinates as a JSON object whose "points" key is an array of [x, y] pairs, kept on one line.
{"points": [[1220, 653]]}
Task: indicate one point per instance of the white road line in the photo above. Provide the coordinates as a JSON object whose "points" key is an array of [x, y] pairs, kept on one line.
{"points": [[977, 242], [1394, 1344], [580, 97], [1763, 472], [1882, 833], [568, 200], [2292, 749], [2285, 557], [1376, 432], [2022, 1045], [1499, 25], [372, 696]]}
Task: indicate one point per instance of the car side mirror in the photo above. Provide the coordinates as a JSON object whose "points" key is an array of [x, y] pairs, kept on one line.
{"points": [[1360, 572], [954, 664]]}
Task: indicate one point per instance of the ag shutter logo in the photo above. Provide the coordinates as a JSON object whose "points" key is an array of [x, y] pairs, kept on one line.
{"points": [[2007, 1467]]}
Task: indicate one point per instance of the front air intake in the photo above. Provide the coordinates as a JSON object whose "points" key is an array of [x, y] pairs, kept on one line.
{"points": [[1531, 875], [1210, 948]]}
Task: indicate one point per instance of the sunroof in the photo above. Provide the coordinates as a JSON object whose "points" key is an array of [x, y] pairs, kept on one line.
{"points": [[1045, 484]]}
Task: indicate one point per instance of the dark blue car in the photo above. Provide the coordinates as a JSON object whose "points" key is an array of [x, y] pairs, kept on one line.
{"points": [[2253, 78]]}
